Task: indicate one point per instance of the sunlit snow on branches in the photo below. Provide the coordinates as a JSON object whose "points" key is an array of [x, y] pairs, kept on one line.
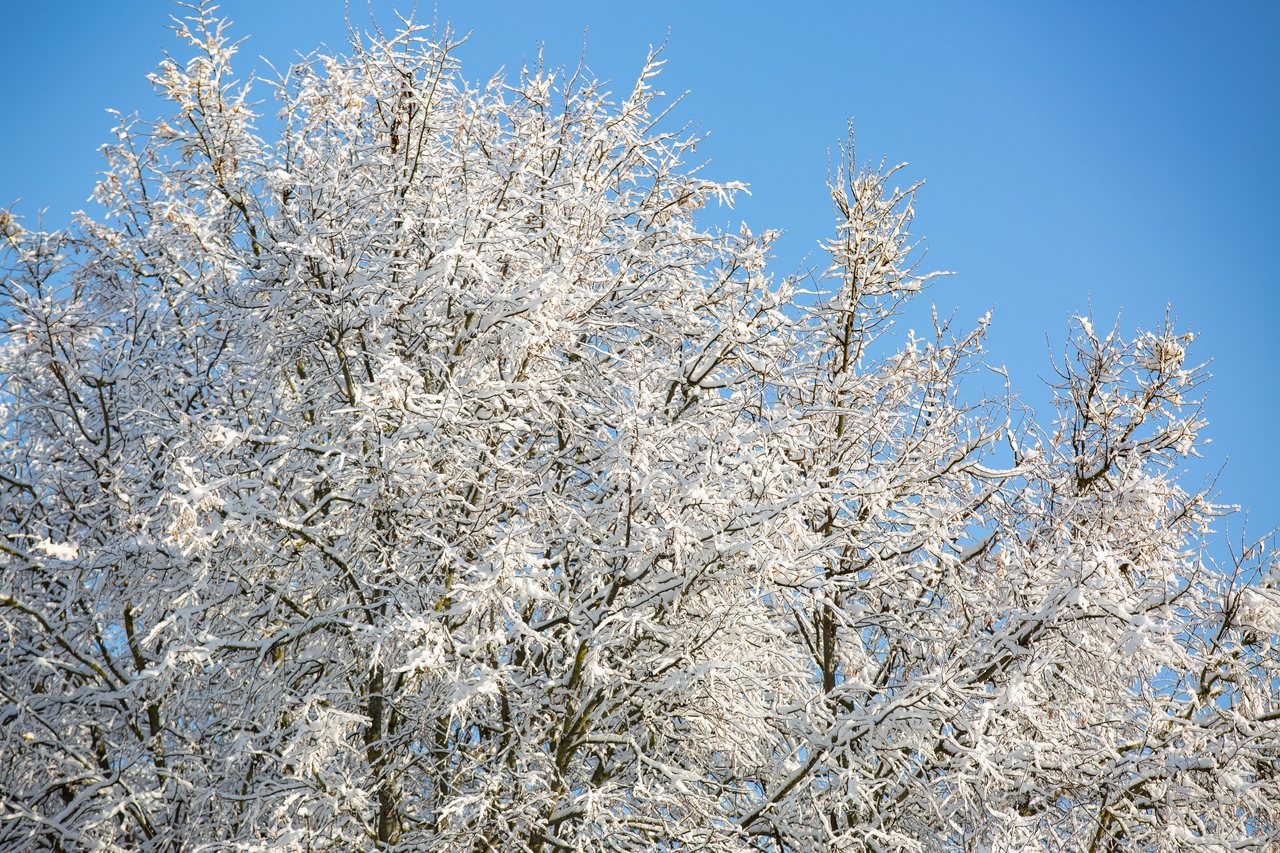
{"points": [[426, 476]]}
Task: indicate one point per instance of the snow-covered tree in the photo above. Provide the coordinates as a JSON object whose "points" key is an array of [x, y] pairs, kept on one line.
{"points": [[426, 475]]}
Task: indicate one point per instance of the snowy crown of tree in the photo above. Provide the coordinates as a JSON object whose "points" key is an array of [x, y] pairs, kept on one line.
{"points": [[427, 477]]}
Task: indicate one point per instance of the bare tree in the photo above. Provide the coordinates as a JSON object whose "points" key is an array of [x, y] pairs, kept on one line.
{"points": [[427, 477]]}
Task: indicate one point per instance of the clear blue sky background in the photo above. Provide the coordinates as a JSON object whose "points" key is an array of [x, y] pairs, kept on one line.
{"points": [[1123, 155]]}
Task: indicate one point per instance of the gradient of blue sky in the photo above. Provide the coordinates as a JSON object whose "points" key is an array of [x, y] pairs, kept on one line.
{"points": [[1119, 155]]}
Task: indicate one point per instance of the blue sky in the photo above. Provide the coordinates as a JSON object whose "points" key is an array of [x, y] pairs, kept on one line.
{"points": [[1119, 156]]}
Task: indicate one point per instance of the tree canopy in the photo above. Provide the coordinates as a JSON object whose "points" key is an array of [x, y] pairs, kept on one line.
{"points": [[425, 474]]}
